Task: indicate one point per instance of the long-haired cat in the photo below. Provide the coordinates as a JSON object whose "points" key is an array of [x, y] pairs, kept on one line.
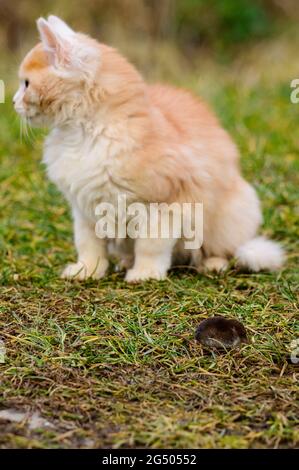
{"points": [[112, 134]]}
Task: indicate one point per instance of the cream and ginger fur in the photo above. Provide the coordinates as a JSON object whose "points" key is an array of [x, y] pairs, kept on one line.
{"points": [[112, 134]]}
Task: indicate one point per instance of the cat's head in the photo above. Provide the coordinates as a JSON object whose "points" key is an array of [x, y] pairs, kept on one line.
{"points": [[56, 74]]}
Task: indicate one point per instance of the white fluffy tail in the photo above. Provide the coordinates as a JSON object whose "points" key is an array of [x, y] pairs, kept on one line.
{"points": [[260, 254]]}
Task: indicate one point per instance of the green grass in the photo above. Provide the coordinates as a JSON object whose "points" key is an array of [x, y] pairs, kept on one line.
{"points": [[115, 365]]}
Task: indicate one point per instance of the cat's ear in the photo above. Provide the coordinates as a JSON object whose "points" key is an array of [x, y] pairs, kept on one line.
{"points": [[57, 38], [60, 25]]}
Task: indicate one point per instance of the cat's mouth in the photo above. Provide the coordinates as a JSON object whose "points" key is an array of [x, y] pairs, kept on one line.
{"points": [[32, 113], [31, 116], [27, 113], [21, 111], [36, 115]]}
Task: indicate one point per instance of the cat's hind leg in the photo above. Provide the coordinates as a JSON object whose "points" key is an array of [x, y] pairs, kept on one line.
{"points": [[215, 264]]}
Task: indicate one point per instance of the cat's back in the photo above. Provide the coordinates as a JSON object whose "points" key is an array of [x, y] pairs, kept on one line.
{"points": [[190, 118], [184, 110]]}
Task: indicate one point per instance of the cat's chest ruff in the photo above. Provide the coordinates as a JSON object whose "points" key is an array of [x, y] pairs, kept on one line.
{"points": [[84, 167]]}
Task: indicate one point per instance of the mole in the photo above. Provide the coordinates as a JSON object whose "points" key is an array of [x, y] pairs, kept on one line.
{"points": [[221, 333]]}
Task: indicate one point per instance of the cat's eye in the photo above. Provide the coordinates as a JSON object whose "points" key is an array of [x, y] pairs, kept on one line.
{"points": [[26, 83]]}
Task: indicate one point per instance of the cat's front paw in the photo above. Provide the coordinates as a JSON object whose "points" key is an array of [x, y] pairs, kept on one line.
{"points": [[80, 271], [138, 275]]}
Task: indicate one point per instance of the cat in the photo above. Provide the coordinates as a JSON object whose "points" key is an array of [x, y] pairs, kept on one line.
{"points": [[111, 134]]}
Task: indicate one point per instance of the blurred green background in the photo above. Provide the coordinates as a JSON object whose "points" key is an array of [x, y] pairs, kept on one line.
{"points": [[185, 28], [191, 23]]}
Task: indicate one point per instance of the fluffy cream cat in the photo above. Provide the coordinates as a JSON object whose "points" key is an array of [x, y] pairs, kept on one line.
{"points": [[112, 134]]}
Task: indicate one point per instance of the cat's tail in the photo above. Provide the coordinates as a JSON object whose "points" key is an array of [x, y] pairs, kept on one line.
{"points": [[260, 254]]}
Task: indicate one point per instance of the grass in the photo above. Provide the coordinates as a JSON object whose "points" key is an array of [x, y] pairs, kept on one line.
{"points": [[114, 365]]}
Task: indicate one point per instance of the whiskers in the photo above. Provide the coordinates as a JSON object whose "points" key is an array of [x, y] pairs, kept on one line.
{"points": [[26, 130]]}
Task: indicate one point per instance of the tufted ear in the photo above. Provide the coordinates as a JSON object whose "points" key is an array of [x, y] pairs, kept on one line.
{"points": [[59, 25], [58, 40]]}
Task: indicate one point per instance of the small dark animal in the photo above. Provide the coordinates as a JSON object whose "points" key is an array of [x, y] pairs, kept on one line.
{"points": [[221, 333]]}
